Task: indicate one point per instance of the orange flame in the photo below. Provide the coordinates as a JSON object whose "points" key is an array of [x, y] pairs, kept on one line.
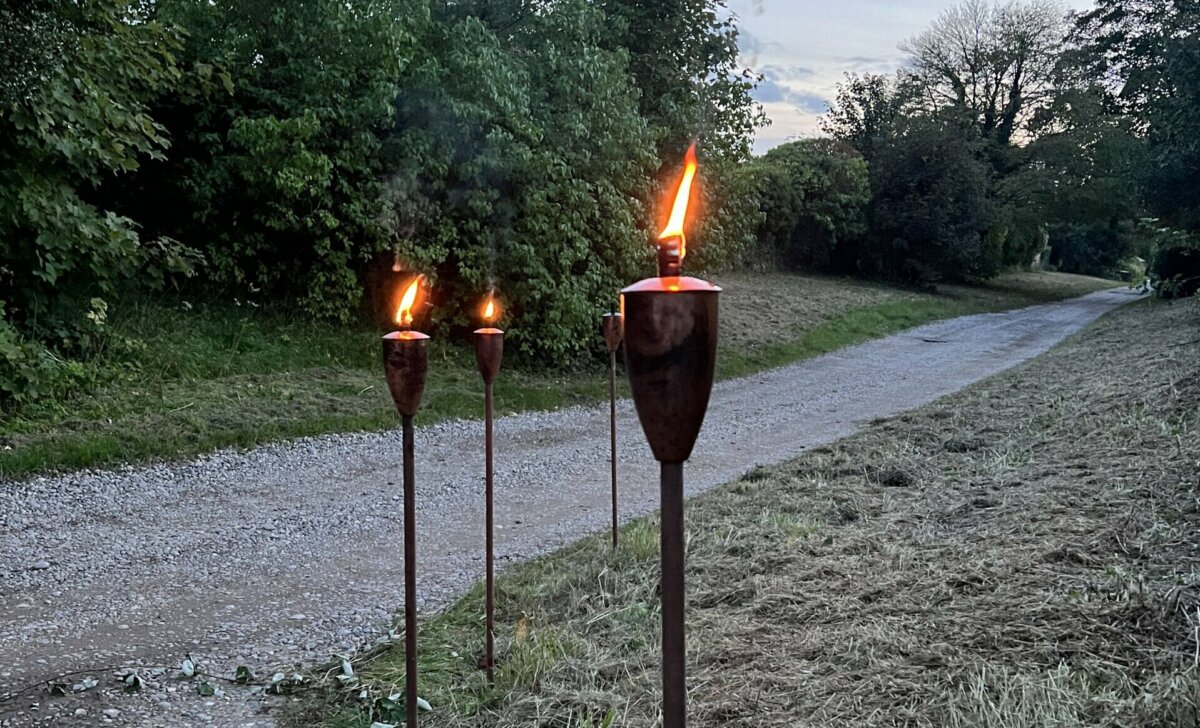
{"points": [[404, 313], [491, 309], [674, 228]]}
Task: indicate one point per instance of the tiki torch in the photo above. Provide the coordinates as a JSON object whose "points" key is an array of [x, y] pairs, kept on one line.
{"points": [[670, 354], [489, 348], [405, 363], [612, 327]]}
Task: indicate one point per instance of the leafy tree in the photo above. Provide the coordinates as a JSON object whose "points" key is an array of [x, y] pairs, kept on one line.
{"points": [[1147, 52], [813, 194], [279, 135], [70, 128], [930, 209]]}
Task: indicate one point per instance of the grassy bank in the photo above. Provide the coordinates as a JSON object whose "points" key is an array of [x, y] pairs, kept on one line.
{"points": [[217, 375], [1019, 554]]}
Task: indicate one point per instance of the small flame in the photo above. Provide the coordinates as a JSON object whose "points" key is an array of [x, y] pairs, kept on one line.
{"points": [[491, 310], [404, 313], [674, 228]]}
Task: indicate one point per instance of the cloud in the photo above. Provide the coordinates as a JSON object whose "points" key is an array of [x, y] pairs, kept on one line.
{"points": [[784, 72], [810, 102]]}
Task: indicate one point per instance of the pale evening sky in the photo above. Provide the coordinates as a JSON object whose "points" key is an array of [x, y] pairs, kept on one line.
{"points": [[805, 47]]}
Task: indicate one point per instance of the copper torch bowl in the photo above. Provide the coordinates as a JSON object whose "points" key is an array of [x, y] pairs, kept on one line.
{"points": [[670, 354], [405, 364]]}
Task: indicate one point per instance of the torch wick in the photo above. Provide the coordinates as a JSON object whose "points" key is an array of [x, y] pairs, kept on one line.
{"points": [[669, 261]]}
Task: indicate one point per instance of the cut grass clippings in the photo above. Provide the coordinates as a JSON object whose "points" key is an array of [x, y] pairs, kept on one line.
{"points": [[217, 375], [1018, 554]]}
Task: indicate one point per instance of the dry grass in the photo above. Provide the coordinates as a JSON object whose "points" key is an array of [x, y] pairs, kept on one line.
{"points": [[1022, 553], [759, 309]]}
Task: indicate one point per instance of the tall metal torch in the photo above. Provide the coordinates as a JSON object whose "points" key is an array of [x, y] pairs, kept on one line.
{"points": [[405, 363], [612, 326], [489, 348], [670, 354]]}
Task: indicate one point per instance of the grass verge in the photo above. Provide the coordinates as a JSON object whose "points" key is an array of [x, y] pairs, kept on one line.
{"points": [[218, 375], [1018, 554]]}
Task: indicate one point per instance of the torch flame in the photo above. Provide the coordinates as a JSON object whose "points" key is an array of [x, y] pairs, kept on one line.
{"points": [[491, 311], [404, 314], [674, 228]]}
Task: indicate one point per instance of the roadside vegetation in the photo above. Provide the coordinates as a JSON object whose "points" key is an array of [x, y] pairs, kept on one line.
{"points": [[213, 375], [1018, 554]]}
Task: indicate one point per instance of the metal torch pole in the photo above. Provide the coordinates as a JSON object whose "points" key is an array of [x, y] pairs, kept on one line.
{"points": [[490, 618], [612, 420], [673, 650], [410, 576]]}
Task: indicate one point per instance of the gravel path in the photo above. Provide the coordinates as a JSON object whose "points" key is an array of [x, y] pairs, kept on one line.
{"points": [[284, 555]]}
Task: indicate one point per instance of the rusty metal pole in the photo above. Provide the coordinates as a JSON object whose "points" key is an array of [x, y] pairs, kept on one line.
{"points": [[489, 349], [410, 577], [612, 436], [489, 518], [613, 328], [674, 670]]}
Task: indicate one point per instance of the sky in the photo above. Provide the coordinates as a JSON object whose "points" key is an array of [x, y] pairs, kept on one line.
{"points": [[804, 48]]}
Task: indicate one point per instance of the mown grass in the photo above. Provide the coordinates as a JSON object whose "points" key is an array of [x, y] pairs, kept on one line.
{"points": [[1034, 567], [219, 375]]}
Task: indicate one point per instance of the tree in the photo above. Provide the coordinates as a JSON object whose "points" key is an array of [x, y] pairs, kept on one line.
{"points": [[994, 63], [931, 209], [68, 129], [1147, 53], [813, 195], [278, 127]]}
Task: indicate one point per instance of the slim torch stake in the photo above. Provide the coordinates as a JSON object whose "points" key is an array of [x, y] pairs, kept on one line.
{"points": [[405, 357], [410, 576], [489, 348], [674, 651], [612, 436], [613, 324], [489, 518]]}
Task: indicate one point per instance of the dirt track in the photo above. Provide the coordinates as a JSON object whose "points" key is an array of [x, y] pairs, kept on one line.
{"points": [[287, 554]]}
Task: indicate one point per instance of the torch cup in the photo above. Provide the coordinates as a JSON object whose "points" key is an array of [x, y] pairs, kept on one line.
{"points": [[405, 363], [613, 329], [489, 349]]}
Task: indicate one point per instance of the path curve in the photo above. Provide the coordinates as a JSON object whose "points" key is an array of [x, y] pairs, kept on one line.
{"points": [[288, 553]]}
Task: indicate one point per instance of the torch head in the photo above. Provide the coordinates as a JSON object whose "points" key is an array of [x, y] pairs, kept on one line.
{"points": [[405, 364], [489, 349], [613, 326], [671, 354]]}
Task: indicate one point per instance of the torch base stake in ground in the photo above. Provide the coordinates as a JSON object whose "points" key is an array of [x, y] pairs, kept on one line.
{"points": [[410, 576], [612, 433], [674, 655]]}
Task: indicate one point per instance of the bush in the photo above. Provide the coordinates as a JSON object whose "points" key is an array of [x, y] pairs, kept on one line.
{"points": [[76, 124], [931, 210], [1176, 267], [813, 197]]}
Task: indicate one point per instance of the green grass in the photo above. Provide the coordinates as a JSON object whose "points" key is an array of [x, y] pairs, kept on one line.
{"points": [[219, 375]]}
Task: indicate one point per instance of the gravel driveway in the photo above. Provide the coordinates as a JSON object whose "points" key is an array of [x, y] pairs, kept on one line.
{"points": [[286, 554]]}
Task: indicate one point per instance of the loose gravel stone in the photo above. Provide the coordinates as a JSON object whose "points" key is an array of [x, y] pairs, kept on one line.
{"points": [[282, 556]]}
